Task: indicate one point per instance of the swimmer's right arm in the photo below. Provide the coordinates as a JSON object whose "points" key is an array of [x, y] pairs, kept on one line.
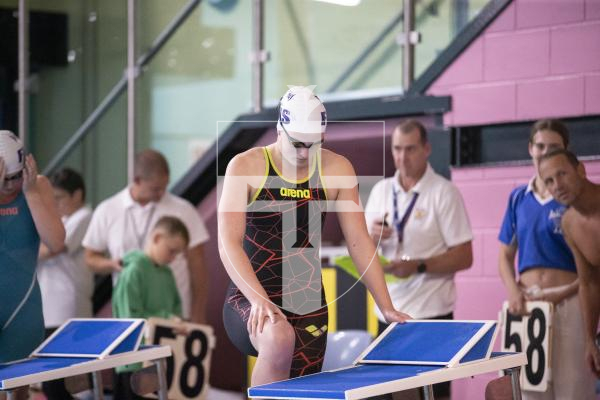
{"points": [[99, 263], [232, 228]]}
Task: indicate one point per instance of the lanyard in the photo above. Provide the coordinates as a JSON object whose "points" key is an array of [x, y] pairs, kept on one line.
{"points": [[140, 237], [400, 223]]}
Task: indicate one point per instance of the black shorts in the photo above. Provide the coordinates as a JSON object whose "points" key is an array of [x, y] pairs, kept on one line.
{"points": [[310, 331]]}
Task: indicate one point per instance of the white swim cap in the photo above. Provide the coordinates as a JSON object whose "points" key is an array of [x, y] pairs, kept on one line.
{"points": [[301, 111], [11, 151]]}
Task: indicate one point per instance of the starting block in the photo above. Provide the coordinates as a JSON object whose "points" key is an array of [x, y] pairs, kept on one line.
{"points": [[83, 346], [418, 353]]}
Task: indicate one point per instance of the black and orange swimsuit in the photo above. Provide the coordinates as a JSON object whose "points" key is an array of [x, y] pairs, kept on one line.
{"points": [[284, 222]]}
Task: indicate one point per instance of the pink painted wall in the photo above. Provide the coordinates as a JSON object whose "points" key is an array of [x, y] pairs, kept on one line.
{"points": [[480, 290], [537, 59]]}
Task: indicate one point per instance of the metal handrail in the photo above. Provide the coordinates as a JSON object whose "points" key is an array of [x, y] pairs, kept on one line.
{"points": [[389, 27], [258, 54], [365, 53], [120, 86]]}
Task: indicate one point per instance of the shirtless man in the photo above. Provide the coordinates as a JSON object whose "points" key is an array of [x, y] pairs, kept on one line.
{"points": [[565, 178], [271, 213]]}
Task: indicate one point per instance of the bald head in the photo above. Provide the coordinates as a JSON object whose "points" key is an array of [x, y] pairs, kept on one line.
{"points": [[412, 125], [150, 163], [151, 176]]}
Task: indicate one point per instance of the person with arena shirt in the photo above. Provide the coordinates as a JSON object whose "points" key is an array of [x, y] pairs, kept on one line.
{"points": [[28, 214], [532, 226], [271, 213]]}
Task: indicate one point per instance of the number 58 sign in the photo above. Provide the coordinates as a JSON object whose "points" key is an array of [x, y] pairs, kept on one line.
{"points": [[188, 368], [530, 334]]}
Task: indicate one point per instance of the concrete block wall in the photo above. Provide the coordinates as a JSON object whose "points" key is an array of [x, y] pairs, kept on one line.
{"points": [[539, 58]]}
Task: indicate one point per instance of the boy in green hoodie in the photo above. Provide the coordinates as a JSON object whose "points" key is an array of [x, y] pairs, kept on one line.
{"points": [[146, 286]]}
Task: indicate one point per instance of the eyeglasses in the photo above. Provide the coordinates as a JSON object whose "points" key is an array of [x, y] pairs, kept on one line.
{"points": [[298, 144], [14, 177]]}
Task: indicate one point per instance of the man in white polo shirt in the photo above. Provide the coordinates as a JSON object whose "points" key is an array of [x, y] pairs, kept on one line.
{"points": [[419, 221], [122, 222]]}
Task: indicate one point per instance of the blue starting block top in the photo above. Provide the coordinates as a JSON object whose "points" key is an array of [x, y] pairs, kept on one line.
{"points": [[334, 384], [369, 380], [432, 342], [40, 369], [95, 338], [79, 346]]}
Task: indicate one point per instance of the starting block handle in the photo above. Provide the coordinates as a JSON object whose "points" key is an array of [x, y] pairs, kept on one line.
{"points": [[514, 374], [428, 392], [98, 387], [161, 369]]}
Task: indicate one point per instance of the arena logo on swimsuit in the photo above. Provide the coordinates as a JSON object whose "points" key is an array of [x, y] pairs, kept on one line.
{"points": [[295, 193], [9, 211]]}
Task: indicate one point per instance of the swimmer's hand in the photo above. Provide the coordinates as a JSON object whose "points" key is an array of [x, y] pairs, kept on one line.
{"points": [[395, 316], [262, 309], [30, 173]]}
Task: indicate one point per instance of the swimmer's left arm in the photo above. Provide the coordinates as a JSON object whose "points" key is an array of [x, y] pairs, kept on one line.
{"points": [[360, 245], [40, 199]]}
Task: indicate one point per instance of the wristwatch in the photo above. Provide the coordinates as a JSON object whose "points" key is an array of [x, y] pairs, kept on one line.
{"points": [[422, 267]]}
